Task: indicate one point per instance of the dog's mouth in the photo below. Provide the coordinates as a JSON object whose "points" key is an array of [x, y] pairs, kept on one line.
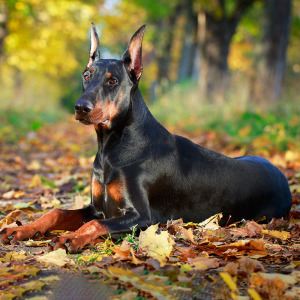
{"points": [[90, 122]]}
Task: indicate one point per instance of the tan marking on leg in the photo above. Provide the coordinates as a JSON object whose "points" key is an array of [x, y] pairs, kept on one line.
{"points": [[57, 219], [86, 234], [115, 190]]}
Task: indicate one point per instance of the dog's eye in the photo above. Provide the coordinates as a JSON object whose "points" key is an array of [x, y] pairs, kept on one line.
{"points": [[112, 81], [86, 77]]}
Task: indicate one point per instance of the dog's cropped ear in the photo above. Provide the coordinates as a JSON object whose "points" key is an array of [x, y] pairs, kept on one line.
{"points": [[132, 57], [94, 51]]}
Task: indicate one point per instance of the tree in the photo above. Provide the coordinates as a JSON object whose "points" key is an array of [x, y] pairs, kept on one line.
{"points": [[217, 23], [273, 59]]}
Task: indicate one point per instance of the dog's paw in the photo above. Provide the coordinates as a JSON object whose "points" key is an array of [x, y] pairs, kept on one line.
{"points": [[68, 242], [15, 234]]}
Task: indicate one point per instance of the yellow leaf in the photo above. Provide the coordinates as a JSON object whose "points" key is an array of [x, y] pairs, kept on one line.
{"points": [[4, 295], [253, 293], [283, 235], [32, 243], [11, 256], [36, 180], [18, 194], [229, 281], [185, 268], [158, 246], [17, 291], [33, 285], [58, 258], [34, 165], [50, 278], [90, 258], [135, 260]]}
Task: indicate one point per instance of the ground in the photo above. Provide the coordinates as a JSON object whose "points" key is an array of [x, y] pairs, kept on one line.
{"points": [[50, 168]]}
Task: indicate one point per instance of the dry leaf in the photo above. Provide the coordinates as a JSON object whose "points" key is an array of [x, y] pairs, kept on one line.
{"points": [[32, 243], [8, 195], [283, 235], [36, 180], [204, 263], [10, 218], [11, 256], [159, 246], [212, 222], [58, 257]]}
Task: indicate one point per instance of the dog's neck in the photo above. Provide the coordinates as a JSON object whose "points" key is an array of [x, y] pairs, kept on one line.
{"points": [[131, 130]]}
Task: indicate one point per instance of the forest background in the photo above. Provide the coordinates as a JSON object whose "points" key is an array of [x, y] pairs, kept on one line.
{"points": [[227, 66]]}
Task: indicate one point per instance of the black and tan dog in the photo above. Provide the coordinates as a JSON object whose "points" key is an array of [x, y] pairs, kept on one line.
{"points": [[143, 174]]}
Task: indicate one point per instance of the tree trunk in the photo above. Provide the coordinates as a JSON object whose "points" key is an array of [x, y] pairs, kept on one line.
{"points": [[3, 27], [275, 40], [189, 43], [215, 31]]}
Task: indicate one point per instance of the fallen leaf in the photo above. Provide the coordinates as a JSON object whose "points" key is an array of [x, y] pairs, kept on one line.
{"points": [[8, 195], [153, 284], [283, 235], [35, 181], [159, 246], [287, 279], [58, 258], [10, 218], [253, 293], [33, 285], [211, 223], [204, 263], [17, 291], [229, 281], [32, 243], [251, 229], [270, 288], [251, 246], [11, 256], [90, 258], [49, 278]]}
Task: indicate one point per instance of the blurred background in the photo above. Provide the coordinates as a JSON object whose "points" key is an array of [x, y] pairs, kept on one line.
{"points": [[228, 68]]}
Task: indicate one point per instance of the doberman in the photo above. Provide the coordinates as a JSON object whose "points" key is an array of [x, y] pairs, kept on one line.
{"points": [[143, 174]]}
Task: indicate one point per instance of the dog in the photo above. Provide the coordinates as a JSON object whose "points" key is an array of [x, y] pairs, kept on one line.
{"points": [[143, 174]]}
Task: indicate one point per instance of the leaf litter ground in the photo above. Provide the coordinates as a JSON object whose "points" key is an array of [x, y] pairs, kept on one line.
{"points": [[51, 168]]}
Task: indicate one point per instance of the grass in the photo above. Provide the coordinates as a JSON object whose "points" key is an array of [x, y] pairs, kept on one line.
{"points": [[183, 109], [15, 123]]}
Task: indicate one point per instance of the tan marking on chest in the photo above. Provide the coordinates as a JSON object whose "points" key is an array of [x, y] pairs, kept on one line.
{"points": [[96, 188], [115, 190]]}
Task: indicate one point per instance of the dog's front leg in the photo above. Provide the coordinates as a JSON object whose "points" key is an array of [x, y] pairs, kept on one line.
{"points": [[57, 219], [91, 231]]}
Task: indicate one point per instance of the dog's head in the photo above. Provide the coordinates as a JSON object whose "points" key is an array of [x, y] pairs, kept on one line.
{"points": [[107, 83]]}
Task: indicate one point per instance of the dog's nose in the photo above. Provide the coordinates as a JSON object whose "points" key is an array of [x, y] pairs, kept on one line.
{"points": [[83, 107]]}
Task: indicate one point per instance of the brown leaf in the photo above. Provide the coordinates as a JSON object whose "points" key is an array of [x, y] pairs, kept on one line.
{"points": [[10, 218], [251, 229], [204, 263], [250, 246]]}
